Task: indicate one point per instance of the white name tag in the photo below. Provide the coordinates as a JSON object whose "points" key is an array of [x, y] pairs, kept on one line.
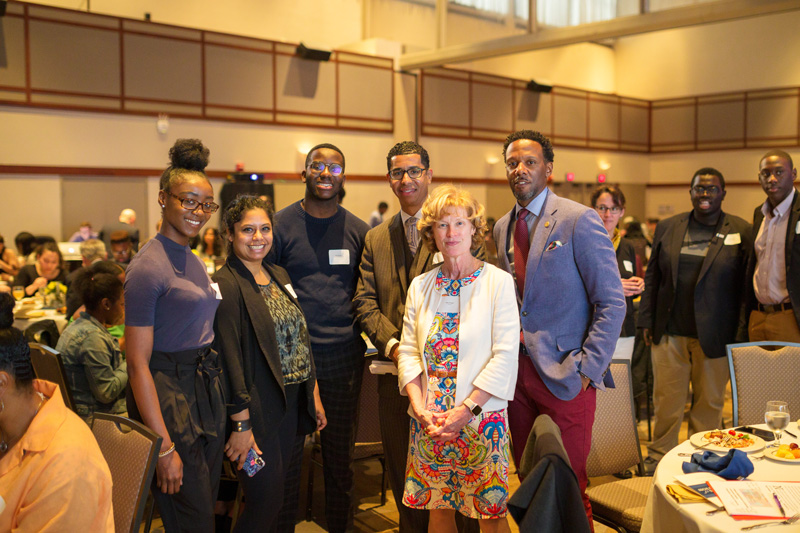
{"points": [[733, 238], [797, 228], [215, 286], [290, 290], [339, 257], [628, 265]]}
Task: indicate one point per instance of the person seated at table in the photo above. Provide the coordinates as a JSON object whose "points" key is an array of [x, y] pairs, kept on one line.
{"points": [[84, 233], [122, 248], [26, 244], [48, 267], [53, 476], [95, 369], [9, 266]]}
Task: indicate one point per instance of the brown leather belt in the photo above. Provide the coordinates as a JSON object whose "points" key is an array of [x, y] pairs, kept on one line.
{"points": [[442, 374], [776, 308]]}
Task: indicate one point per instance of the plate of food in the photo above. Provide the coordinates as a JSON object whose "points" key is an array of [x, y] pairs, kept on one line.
{"points": [[721, 440], [786, 453]]}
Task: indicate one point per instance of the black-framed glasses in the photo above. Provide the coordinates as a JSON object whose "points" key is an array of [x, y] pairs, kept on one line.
{"points": [[712, 190], [334, 168], [413, 172], [603, 209], [190, 204]]}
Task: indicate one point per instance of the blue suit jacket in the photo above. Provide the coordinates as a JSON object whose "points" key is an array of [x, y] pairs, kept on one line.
{"points": [[573, 307]]}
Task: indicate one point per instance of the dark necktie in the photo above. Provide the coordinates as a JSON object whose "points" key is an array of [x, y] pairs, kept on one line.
{"points": [[411, 234], [521, 247]]}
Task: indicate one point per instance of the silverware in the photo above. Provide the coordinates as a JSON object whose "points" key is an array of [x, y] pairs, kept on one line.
{"points": [[791, 520], [712, 512]]}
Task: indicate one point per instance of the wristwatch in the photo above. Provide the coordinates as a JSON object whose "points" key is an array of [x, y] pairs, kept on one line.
{"points": [[474, 408]]}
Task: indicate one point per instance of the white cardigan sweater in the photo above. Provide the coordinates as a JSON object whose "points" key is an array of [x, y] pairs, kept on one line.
{"points": [[488, 335]]}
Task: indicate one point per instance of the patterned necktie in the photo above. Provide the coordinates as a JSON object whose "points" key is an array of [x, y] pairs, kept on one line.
{"points": [[411, 234], [521, 247]]}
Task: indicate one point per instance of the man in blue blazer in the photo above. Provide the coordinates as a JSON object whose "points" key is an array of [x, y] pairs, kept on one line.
{"points": [[570, 298], [690, 310]]}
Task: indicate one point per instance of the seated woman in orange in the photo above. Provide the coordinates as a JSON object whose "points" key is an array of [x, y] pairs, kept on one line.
{"points": [[48, 267], [52, 474]]}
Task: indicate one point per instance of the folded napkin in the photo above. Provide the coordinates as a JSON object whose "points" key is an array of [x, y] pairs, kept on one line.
{"points": [[684, 495], [734, 465]]}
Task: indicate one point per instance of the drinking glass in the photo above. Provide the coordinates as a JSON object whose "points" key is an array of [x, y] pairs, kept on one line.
{"points": [[777, 418], [18, 292]]}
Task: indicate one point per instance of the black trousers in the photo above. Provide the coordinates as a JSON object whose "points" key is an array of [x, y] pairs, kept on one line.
{"points": [[264, 492]]}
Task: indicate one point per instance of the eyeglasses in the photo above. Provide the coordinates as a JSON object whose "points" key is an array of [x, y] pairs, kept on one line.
{"points": [[414, 173], [334, 168], [711, 189], [528, 164], [190, 204], [602, 209], [766, 173]]}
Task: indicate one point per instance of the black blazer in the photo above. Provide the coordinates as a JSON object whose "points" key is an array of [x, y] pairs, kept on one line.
{"points": [[792, 258], [627, 252], [720, 287], [244, 337]]}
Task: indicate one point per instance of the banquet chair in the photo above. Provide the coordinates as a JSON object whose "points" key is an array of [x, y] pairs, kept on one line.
{"points": [[369, 444], [47, 364], [549, 497], [615, 447], [131, 451], [760, 372]]}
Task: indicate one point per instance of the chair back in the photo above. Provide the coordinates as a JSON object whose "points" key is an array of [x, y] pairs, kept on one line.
{"points": [[43, 332], [760, 372], [615, 438], [368, 426], [47, 364], [131, 451]]}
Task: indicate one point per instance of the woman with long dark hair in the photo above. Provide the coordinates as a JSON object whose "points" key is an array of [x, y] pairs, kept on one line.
{"points": [[173, 372]]}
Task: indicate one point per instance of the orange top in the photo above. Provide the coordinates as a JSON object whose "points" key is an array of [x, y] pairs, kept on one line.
{"points": [[55, 477]]}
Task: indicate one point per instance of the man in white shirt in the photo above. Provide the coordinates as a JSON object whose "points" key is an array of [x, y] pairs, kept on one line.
{"points": [[774, 301]]}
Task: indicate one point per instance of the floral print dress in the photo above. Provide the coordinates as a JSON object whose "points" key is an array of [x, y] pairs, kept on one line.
{"points": [[468, 474]]}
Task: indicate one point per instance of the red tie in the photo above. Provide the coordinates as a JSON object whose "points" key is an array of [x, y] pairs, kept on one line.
{"points": [[521, 247]]}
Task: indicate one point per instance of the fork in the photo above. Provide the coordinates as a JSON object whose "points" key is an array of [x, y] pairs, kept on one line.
{"points": [[791, 520]]}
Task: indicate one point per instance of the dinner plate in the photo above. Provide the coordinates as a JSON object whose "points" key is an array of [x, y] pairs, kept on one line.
{"points": [[699, 441], [770, 455]]}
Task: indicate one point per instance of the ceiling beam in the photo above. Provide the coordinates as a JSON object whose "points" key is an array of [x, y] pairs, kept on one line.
{"points": [[705, 13]]}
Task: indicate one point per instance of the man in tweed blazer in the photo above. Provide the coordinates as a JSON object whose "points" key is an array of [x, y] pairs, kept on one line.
{"points": [[393, 256]]}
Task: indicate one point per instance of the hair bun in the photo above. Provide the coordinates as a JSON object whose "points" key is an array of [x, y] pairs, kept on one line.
{"points": [[6, 310], [189, 154]]}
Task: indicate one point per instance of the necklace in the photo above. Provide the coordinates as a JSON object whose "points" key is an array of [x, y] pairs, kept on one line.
{"points": [[3, 443]]}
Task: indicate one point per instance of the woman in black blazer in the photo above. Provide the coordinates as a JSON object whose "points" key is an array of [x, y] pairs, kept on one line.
{"points": [[261, 336], [609, 202]]}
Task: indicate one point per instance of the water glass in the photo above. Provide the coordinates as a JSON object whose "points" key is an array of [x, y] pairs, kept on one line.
{"points": [[777, 418]]}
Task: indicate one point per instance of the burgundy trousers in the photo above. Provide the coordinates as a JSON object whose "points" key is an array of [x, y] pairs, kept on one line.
{"points": [[573, 417]]}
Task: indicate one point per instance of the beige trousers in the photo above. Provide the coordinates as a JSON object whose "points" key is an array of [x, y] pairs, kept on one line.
{"points": [[780, 326], [677, 361]]}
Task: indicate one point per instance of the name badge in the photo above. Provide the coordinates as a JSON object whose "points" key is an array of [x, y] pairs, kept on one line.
{"points": [[290, 290], [797, 228], [733, 238], [339, 257], [628, 265], [215, 286]]}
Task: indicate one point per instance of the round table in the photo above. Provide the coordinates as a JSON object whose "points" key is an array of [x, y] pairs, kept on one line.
{"points": [[665, 515], [49, 314]]}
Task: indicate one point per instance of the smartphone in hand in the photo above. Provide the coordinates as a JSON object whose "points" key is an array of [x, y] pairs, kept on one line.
{"points": [[253, 463]]}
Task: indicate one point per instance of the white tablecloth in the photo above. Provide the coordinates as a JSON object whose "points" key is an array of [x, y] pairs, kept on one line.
{"points": [[49, 314], [665, 515]]}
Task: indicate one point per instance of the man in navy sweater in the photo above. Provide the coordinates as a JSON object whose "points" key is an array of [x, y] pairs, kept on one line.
{"points": [[320, 243]]}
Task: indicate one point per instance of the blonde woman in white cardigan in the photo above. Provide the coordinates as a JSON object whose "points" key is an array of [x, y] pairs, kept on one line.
{"points": [[458, 365]]}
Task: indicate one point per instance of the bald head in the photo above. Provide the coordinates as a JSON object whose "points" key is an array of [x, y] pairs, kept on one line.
{"points": [[128, 216]]}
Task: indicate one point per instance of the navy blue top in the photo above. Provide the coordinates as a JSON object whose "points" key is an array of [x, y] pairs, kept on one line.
{"points": [[321, 256], [167, 287]]}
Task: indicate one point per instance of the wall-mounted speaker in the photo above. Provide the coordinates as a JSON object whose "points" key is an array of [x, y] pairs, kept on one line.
{"points": [[538, 87], [316, 54]]}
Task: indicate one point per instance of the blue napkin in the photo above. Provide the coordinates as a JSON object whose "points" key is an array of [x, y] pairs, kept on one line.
{"points": [[734, 465]]}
